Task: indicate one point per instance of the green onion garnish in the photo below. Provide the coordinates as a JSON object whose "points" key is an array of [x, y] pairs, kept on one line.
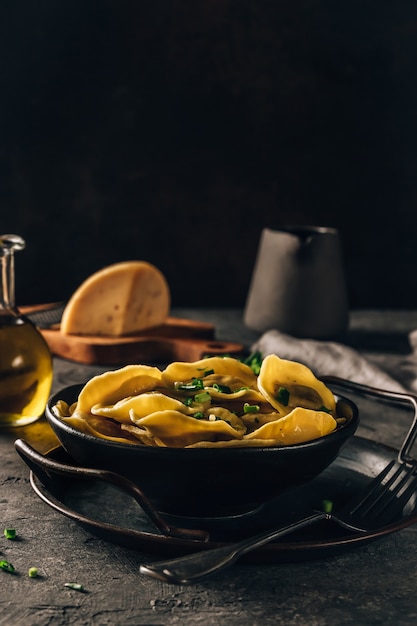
{"points": [[327, 506], [254, 360], [251, 408], [8, 567], [75, 586], [10, 533], [199, 415], [202, 397], [222, 388], [325, 409], [283, 396], [193, 385]]}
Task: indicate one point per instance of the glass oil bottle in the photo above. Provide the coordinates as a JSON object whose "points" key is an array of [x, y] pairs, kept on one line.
{"points": [[25, 359]]}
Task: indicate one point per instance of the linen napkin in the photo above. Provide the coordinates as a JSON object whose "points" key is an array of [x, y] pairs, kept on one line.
{"points": [[328, 358]]}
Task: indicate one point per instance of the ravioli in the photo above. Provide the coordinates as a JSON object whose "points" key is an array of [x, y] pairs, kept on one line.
{"points": [[213, 402], [223, 370], [288, 384], [299, 426], [104, 429], [109, 387], [171, 428], [142, 405]]}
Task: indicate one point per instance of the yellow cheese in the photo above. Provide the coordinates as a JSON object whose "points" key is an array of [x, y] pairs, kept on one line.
{"points": [[120, 299]]}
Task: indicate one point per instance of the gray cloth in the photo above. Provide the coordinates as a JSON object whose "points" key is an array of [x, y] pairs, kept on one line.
{"points": [[327, 358]]}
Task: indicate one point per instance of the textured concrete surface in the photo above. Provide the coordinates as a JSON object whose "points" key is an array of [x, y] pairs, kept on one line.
{"points": [[367, 586]]}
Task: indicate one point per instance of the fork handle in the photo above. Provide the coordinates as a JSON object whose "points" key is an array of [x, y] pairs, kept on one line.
{"points": [[404, 454], [186, 570]]}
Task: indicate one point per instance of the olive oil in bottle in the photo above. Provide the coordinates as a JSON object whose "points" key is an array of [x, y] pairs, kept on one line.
{"points": [[25, 359]]}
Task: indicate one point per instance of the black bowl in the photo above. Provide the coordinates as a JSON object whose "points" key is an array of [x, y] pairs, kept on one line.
{"points": [[205, 481]]}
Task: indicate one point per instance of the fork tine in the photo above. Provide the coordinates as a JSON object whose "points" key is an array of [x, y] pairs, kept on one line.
{"points": [[393, 496], [385, 499], [353, 507], [390, 508], [385, 486], [406, 492]]}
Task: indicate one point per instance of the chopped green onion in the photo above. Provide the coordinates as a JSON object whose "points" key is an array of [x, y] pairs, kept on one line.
{"points": [[75, 586], [222, 388], [8, 567], [193, 385], [208, 372], [10, 533], [283, 396], [325, 409], [327, 506], [251, 408], [199, 415], [254, 360], [202, 397], [32, 572], [187, 401]]}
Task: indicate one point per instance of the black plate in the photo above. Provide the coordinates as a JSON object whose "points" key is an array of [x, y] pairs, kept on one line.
{"points": [[114, 516]]}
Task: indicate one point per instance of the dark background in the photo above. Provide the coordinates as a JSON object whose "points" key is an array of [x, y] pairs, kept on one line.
{"points": [[174, 131]]}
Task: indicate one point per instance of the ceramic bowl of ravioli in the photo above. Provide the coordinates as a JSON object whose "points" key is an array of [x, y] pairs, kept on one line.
{"points": [[206, 482]]}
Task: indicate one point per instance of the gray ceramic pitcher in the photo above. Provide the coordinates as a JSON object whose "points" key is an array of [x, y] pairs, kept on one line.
{"points": [[298, 283]]}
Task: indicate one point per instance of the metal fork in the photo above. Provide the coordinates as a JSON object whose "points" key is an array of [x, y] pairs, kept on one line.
{"points": [[382, 501], [385, 497]]}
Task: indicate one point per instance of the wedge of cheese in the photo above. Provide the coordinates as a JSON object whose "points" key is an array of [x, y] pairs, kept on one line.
{"points": [[120, 299]]}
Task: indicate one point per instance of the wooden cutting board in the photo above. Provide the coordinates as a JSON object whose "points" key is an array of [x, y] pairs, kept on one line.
{"points": [[177, 339]]}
